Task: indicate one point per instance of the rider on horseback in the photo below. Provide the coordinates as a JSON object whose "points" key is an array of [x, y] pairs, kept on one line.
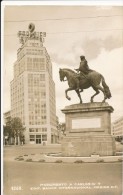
{"points": [[83, 68]]}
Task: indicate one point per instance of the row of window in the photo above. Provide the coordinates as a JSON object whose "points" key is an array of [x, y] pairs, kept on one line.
{"points": [[38, 138], [35, 67], [35, 59], [33, 100], [36, 50], [36, 93], [37, 104], [37, 110], [32, 97], [36, 77], [31, 117], [43, 129], [37, 117], [34, 44], [34, 53], [43, 122]]}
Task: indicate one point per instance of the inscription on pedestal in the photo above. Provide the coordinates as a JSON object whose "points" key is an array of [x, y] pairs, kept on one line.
{"points": [[86, 123]]}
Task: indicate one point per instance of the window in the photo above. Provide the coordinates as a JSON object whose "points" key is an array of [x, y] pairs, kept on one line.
{"points": [[42, 67], [44, 137], [44, 129], [43, 94], [42, 84], [43, 117], [38, 136], [32, 137], [29, 66], [31, 130], [42, 77], [32, 140], [29, 59]]}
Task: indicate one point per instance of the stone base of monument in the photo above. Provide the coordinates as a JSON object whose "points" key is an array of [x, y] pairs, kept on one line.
{"points": [[88, 145], [88, 130]]}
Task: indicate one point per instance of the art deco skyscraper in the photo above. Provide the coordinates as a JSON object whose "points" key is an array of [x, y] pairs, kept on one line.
{"points": [[33, 89]]}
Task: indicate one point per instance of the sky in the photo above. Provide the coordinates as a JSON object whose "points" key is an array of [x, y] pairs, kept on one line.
{"points": [[93, 31]]}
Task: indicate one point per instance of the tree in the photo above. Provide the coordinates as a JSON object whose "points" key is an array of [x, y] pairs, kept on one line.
{"points": [[17, 129], [63, 128], [6, 133], [6, 130]]}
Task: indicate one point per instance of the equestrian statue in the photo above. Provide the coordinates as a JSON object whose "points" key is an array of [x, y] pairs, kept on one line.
{"points": [[83, 79]]}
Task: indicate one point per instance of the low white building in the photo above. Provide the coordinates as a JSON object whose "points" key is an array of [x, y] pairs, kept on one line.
{"points": [[117, 128]]}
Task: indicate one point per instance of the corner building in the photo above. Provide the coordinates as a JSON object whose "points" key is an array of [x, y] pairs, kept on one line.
{"points": [[33, 89], [117, 128]]}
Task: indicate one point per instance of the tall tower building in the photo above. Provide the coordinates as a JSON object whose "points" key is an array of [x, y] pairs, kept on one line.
{"points": [[33, 89]]}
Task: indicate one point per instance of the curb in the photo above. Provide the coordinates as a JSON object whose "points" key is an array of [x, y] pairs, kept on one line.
{"points": [[43, 158]]}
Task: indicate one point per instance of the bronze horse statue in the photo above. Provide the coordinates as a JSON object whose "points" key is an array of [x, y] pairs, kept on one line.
{"points": [[93, 79]]}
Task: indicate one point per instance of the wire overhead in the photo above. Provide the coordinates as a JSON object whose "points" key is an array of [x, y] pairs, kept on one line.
{"points": [[60, 19], [87, 31], [53, 19]]}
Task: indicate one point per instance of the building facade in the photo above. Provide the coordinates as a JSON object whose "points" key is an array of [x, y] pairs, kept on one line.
{"points": [[33, 89], [117, 129], [7, 117]]}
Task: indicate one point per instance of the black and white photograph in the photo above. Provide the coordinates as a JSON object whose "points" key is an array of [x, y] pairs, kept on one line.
{"points": [[62, 98]]}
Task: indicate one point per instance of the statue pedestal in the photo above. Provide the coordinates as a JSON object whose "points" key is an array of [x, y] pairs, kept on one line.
{"points": [[88, 130]]}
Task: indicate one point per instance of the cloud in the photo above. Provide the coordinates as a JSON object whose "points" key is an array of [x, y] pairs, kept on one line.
{"points": [[92, 47], [111, 43], [7, 73], [62, 59]]}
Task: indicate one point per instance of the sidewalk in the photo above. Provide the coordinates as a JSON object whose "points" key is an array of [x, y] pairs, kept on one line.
{"points": [[34, 146]]}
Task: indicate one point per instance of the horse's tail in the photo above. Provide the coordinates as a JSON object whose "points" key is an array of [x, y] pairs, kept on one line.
{"points": [[106, 88]]}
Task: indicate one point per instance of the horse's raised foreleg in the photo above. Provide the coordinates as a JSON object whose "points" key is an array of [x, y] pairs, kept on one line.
{"points": [[69, 89], [78, 93], [97, 92]]}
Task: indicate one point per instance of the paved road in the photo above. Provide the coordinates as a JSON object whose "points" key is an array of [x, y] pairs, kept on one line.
{"points": [[29, 178]]}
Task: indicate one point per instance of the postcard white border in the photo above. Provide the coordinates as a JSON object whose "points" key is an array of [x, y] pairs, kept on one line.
{"points": [[46, 3]]}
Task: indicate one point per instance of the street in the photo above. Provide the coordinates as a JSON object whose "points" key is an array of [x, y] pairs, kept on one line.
{"points": [[30, 178]]}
